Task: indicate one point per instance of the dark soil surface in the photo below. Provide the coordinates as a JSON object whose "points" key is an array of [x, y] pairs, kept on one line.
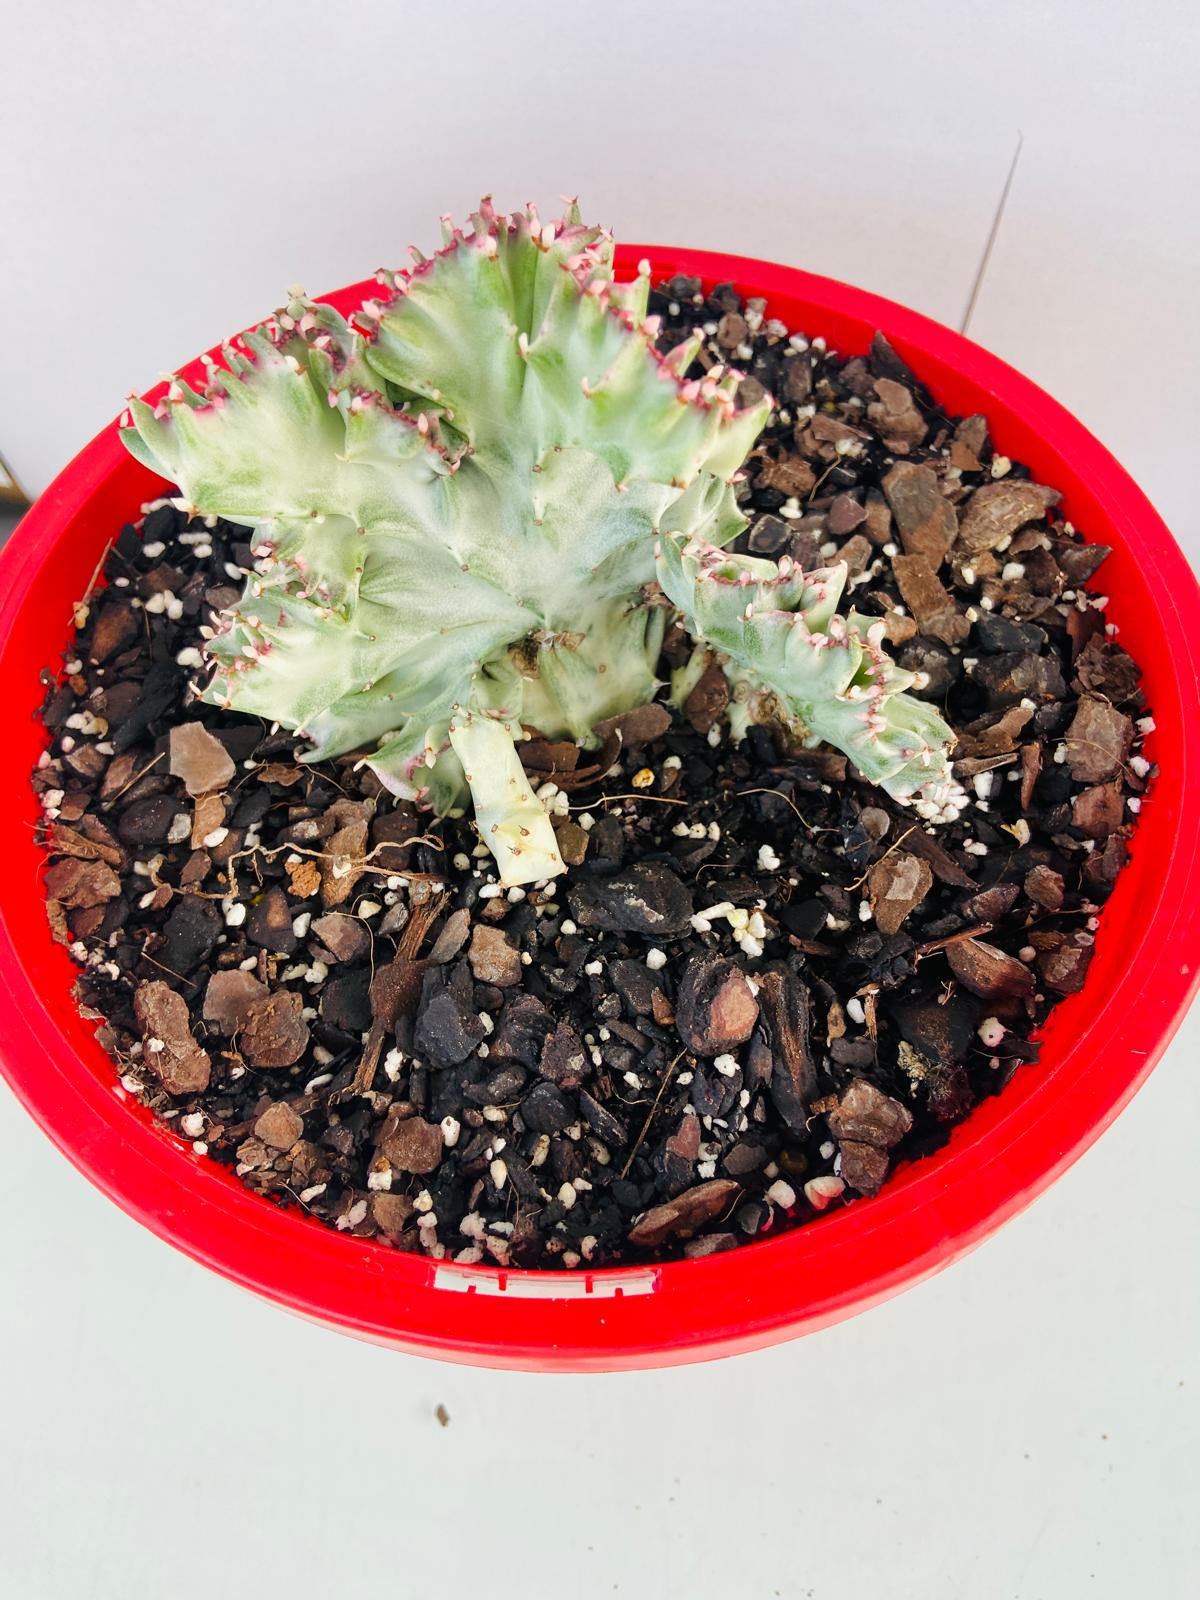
{"points": [[761, 984]]}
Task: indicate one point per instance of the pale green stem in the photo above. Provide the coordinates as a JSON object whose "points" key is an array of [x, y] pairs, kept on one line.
{"points": [[512, 821]]}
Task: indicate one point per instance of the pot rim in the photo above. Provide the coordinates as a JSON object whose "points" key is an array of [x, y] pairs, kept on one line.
{"points": [[931, 1212]]}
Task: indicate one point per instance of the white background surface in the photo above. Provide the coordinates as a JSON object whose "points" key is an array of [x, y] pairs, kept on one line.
{"points": [[1023, 1427]]}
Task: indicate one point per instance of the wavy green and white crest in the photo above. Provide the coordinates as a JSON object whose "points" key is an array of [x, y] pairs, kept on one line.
{"points": [[793, 660], [455, 500]]}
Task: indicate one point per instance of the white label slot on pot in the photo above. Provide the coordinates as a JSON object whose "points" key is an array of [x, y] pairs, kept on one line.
{"points": [[547, 1286]]}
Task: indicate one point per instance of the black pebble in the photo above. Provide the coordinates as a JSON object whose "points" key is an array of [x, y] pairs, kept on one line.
{"points": [[189, 934]]}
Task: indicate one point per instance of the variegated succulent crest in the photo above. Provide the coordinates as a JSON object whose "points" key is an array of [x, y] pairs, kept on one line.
{"points": [[457, 499], [794, 662]]}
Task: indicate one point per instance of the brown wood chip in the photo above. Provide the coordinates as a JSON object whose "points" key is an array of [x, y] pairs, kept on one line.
{"points": [[168, 1048], [987, 971], [681, 1217], [929, 600], [274, 1033], [897, 884], [787, 1012], [76, 884], [996, 510], [925, 520], [1098, 740]]}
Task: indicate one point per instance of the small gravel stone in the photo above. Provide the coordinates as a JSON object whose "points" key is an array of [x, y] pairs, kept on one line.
{"points": [[564, 1060], [545, 1110], [229, 996], [269, 923], [345, 937], [413, 1145], [146, 821], [1099, 811], [391, 1212], [448, 1027], [863, 1166], [867, 1115], [1046, 887], [81, 884], [493, 957], [896, 416], [115, 628], [200, 759], [189, 934], [279, 1126], [716, 1009], [1064, 964], [707, 702], [648, 899], [572, 841]]}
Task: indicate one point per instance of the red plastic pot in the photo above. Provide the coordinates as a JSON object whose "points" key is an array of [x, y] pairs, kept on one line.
{"points": [[1099, 1045]]}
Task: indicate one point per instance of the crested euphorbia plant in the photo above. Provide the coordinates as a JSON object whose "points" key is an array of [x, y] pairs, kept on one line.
{"points": [[474, 507]]}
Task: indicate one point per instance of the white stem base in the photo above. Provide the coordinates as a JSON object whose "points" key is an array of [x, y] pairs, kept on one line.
{"points": [[512, 821]]}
